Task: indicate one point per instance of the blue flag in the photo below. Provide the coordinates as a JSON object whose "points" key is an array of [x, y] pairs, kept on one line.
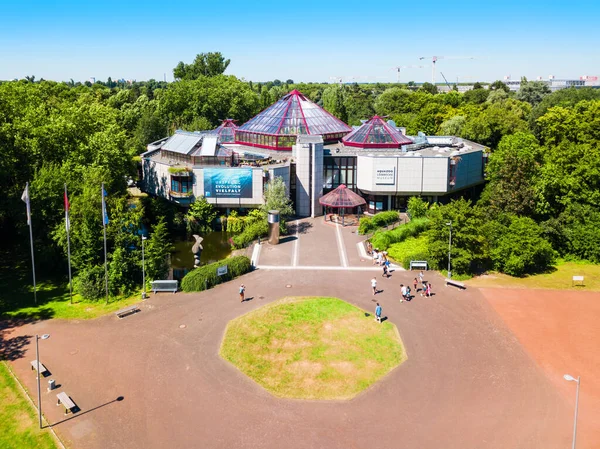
{"points": [[104, 212]]}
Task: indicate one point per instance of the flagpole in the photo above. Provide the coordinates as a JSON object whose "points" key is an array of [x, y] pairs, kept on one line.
{"points": [[104, 215], [31, 240], [68, 228]]}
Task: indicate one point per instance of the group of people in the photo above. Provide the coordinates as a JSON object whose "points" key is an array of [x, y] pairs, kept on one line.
{"points": [[381, 258], [405, 291]]}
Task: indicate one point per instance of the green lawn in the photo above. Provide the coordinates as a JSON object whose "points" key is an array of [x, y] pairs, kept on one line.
{"points": [[559, 278], [312, 348], [17, 300], [18, 419]]}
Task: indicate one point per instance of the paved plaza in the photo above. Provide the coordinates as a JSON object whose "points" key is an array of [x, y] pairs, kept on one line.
{"points": [[468, 381]]}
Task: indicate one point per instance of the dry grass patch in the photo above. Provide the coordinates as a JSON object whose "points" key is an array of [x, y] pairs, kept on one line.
{"points": [[312, 348]]}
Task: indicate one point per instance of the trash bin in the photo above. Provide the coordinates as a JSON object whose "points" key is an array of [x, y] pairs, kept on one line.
{"points": [[273, 220], [51, 385]]}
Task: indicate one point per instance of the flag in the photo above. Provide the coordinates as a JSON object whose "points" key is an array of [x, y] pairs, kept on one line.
{"points": [[104, 212], [25, 198], [67, 206]]}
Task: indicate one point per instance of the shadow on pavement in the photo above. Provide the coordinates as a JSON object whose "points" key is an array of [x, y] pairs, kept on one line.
{"points": [[77, 409]]}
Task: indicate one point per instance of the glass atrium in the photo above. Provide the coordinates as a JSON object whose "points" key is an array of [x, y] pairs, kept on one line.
{"points": [[376, 133]]}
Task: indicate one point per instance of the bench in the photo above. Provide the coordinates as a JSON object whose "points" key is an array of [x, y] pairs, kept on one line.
{"points": [[578, 280], [418, 264], [127, 311], [34, 366], [65, 400], [455, 284], [164, 286]]}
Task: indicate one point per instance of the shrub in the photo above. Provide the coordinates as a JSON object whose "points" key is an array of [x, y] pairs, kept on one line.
{"points": [[90, 283], [204, 277], [257, 229], [369, 224], [384, 239], [412, 248]]}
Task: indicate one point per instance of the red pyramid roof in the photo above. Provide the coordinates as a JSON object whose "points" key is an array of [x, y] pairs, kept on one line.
{"points": [[342, 197], [376, 133]]}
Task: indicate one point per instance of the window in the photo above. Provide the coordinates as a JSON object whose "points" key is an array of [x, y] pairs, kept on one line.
{"points": [[181, 184]]}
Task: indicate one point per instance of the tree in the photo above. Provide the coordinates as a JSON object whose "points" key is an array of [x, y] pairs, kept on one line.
{"points": [[205, 64], [200, 216], [533, 92], [289, 81], [333, 101], [394, 101], [452, 126], [512, 174], [469, 245], [157, 250], [417, 208], [521, 249], [499, 85], [428, 87], [277, 198]]}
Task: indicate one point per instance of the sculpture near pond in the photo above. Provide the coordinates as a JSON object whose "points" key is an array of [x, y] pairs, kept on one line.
{"points": [[197, 250]]}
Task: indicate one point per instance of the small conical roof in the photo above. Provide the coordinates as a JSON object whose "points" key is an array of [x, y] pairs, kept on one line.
{"points": [[376, 133], [281, 122], [342, 197]]}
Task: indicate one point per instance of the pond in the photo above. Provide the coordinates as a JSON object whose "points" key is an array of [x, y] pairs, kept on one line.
{"points": [[216, 247]]}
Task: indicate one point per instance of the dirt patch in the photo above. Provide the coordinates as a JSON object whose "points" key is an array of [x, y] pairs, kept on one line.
{"points": [[560, 331]]}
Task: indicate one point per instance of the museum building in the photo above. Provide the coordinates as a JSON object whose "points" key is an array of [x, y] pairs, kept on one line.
{"points": [[314, 152]]}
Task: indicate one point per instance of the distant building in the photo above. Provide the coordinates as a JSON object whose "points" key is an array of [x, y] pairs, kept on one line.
{"points": [[556, 84], [314, 153]]}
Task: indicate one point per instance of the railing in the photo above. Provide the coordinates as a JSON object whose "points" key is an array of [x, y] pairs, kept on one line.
{"points": [[175, 194]]}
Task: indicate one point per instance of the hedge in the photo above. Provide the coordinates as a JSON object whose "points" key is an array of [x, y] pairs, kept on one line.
{"points": [[413, 248], [204, 277], [252, 232], [369, 224], [384, 239]]}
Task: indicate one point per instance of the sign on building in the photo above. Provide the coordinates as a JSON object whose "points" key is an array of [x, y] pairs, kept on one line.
{"points": [[222, 270], [385, 175], [228, 182]]}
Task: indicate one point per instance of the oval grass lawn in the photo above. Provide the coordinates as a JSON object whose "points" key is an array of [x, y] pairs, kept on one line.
{"points": [[312, 348]]}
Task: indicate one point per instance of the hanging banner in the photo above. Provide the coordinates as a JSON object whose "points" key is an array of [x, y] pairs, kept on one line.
{"points": [[228, 182]]}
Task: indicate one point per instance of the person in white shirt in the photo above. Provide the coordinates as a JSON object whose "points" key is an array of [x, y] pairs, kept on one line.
{"points": [[403, 292], [374, 285]]}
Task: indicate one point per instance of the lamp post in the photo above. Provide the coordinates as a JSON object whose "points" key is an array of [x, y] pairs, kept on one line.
{"points": [[449, 249], [37, 356], [143, 270], [570, 378]]}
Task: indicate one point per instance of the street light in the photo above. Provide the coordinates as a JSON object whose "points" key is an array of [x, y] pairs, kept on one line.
{"points": [[570, 378], [143, 270], [37, 356], [449, 249]]}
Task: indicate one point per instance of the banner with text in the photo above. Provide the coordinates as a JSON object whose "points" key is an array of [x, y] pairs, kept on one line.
{"points": [[228, 182]]}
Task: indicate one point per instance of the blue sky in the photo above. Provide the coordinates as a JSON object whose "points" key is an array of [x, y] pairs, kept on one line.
{"points": [[304, 41]]}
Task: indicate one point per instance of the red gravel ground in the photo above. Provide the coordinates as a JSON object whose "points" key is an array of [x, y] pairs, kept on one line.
{"points": [[561, 332], [467, 382]]}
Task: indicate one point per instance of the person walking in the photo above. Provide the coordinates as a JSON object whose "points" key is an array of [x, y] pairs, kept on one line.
{"points": [[416, 285], [385, 271], [428, 291], [407, 297], [402, 292], [375, 256], [242, 292], [421, 276], [374, 285], [378, 313]]}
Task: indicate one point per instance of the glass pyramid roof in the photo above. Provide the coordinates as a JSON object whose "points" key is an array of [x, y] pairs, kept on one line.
{"points": [[342, 197], [226, 131], [376, 133], [293, 114]]}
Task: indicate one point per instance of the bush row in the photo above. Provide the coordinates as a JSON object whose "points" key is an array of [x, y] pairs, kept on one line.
{"points": [[413, 248], [252, 232], [382, 240], [370, 224], [205, 277]]}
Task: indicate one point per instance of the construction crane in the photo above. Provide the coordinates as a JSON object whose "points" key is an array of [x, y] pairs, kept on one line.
{"points": [[406, 67], [447, 84], [434, 59]]}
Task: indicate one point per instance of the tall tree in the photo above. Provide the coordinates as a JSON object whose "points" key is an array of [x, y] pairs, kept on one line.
{"points": [[205, 64]]}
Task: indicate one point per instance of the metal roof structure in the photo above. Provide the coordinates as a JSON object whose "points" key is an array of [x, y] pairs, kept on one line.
{"points": [[183, 142], [376, 133], [277, 126], [226, 131], [342, 197]]}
